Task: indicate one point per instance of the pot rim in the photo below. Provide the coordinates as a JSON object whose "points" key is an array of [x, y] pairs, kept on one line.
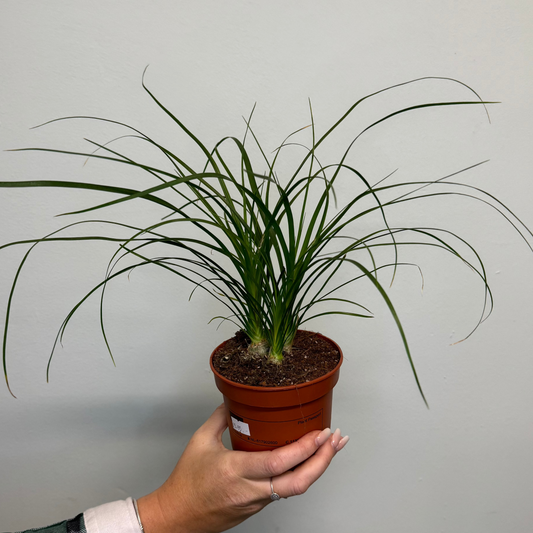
{"points": [[279, 389]]}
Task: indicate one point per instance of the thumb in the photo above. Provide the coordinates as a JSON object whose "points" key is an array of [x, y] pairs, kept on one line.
{"points": [[216, 424]]}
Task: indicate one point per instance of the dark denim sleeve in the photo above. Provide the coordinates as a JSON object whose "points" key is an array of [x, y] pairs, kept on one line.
{"points": [[75, 525]]}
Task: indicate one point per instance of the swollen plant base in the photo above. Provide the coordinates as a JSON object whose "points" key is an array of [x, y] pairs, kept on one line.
{"points": [[267, 417]]}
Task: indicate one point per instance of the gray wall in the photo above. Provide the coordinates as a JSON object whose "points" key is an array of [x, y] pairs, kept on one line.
{"points": [[97, 433]]}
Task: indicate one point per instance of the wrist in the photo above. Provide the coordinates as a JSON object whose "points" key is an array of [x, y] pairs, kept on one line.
{"points": [[151, 515]]}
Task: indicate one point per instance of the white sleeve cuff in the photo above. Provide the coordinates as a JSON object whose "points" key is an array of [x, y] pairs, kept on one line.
{"points": [[114, 517]]}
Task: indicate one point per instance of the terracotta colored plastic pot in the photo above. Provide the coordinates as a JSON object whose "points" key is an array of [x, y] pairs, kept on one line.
{"points": [[264, 418]]}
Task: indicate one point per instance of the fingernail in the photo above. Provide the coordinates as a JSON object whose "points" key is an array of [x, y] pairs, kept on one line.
{"points": [[335, 439], [342, 443], [323, 437]]}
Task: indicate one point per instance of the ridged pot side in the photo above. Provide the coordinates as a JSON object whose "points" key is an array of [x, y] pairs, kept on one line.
{"points": [[265, 418]]}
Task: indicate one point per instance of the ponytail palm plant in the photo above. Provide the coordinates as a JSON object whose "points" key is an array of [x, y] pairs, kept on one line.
{"points": [[276, 251]]}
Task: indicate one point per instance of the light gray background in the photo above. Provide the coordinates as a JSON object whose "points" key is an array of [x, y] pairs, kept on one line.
{"points": [[97, 433]]}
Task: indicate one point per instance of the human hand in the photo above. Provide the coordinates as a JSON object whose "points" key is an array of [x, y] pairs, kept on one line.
{"points": [[213, 489]]}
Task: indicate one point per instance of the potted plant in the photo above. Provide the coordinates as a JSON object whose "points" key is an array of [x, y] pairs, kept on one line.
{"points": [[275, 251]]}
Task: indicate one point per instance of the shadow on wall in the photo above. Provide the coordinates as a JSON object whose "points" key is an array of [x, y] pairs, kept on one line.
{"points": [[128, 419]]}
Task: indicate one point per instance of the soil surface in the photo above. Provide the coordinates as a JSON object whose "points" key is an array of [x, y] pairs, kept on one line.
{"points": [[311, 357]]}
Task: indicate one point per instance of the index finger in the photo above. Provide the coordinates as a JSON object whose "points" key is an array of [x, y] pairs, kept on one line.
{"points": [[258, 465]]}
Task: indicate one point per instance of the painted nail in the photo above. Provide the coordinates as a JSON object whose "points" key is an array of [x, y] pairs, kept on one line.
{"points": [[342, 443], [335, 439], [323, 437]]}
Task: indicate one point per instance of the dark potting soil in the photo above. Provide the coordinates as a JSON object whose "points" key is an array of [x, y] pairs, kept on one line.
{"points": [[311, 357]]}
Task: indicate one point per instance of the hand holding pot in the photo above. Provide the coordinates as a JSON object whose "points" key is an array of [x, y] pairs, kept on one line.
{"points": [[213, 489]]}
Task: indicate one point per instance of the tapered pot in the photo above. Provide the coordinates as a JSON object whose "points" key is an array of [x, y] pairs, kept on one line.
{"points": [[264, 418]]}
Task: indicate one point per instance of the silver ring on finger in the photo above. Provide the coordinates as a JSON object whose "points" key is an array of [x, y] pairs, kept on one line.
{"points": [[274, 496]]}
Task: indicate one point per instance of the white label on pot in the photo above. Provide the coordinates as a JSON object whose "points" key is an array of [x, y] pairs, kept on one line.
{"points": [[240, 426]]}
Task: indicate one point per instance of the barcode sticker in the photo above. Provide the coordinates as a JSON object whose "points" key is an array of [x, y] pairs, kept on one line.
{"points": [[240, 426]]}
